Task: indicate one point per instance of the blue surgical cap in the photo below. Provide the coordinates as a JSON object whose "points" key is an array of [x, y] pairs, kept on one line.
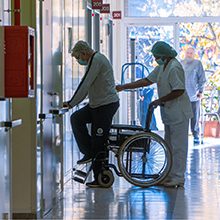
{"points": [[162, 49]]}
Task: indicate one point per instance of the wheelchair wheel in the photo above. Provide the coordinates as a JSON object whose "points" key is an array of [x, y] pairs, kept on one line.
{"points": [[106, 178], [144, 159]]}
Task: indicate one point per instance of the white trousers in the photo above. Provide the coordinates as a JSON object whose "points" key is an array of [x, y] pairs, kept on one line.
{"points": [[177, 137]]}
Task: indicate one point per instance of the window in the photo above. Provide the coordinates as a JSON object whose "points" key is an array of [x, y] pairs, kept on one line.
{"points": [[146, 36], [171, 8]]}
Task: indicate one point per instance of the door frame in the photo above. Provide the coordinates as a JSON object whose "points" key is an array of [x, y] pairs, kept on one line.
{"points": [[159, 21], [175, 21]]}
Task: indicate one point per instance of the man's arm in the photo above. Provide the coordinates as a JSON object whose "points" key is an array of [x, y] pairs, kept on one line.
{"points": [[84, 85]]}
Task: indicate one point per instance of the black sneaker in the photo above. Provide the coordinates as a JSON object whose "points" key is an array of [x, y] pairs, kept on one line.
{"points": [[93, 184], [85, 159]]}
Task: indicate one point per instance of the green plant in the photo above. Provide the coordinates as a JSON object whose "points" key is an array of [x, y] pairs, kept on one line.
{"points": [[214, 80], [211, 99]]}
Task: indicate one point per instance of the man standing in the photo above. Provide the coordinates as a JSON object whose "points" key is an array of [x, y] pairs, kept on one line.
{"points": [[195, 80]]}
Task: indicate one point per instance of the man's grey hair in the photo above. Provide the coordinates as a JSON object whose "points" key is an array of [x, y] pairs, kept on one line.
{"points": [[81, 47]]}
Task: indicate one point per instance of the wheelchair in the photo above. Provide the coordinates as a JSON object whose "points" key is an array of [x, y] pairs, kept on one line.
{"points": [[143, 157]]}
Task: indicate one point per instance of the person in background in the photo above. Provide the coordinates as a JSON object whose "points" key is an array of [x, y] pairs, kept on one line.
{"points": [[174, 105], [99, 85], [195, 80]]}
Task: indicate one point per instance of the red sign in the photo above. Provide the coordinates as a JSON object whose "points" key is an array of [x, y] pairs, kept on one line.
{"points": [[96, 4], [116, 14], [105, 8]]}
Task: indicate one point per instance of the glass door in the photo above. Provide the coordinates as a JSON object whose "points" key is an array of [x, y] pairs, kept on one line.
{"points": [[202, 36], [68, 88], [5, 183], [145, 37], [49, 97], [96, 31]]}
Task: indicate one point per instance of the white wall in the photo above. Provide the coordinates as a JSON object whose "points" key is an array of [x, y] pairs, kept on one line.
{"points": [[119, 55]]}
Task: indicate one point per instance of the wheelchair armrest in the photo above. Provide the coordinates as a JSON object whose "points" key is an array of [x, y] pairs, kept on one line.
{"points": [[127, 127]]}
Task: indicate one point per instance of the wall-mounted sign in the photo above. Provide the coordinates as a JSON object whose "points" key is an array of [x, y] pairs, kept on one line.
{"points": [[96, 4], [116, 14], [105, 8]]}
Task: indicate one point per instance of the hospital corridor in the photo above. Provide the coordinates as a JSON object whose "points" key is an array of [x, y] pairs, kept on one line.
{"points": [[110, 109]]}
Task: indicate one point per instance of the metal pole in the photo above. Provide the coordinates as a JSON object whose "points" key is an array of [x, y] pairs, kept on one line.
{"points": [[41, 107], [176, 32], [133, 74], [9, 107]]}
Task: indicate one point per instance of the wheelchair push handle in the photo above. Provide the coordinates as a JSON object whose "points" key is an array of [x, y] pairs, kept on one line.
{"points": [[125, 70]]}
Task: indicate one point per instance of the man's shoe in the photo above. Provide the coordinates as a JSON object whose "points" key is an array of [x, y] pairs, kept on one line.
{"points": [[93, 184], [196, 140], [85, 159]]}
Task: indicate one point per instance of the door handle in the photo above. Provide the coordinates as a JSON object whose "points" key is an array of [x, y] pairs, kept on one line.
{"points": [[60, 111], [52, 112], [11, 124], [44, 116]]}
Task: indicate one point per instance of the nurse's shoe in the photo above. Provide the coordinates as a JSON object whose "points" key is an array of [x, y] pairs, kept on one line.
{"points": [[196, 140], [173, 183]]}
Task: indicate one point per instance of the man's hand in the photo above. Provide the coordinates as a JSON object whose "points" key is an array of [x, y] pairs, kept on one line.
{"points": [[119, 88], [66, 105], [199, 95]]}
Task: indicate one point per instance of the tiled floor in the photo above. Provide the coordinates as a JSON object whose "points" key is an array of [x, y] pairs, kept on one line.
{"points": [[200, 199]]}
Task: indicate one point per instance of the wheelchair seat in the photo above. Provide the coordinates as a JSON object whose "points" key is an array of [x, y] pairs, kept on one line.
{"points": [[127, 127], [120, 132]]}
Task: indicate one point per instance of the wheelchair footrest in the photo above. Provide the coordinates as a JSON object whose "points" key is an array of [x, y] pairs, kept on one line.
{"points": [[77, 179], [80, 173]]}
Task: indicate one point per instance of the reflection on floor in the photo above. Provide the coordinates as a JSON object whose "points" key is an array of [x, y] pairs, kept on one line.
{"points": [[200, 199]]}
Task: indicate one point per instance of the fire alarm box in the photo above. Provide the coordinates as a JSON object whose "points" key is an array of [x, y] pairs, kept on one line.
{"points": [[18, 61]]}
